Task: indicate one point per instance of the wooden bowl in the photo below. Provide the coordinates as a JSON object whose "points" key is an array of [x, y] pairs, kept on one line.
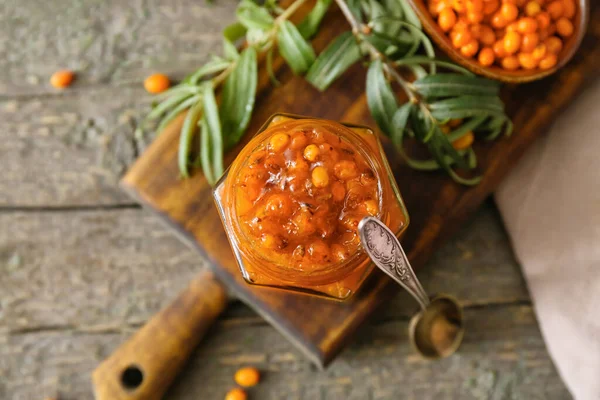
{"points": [[494, 72]]}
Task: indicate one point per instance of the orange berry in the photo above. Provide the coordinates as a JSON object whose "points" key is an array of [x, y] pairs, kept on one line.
{"points": [[539, 52], [512, 27], [569, 8], [527, 25], [498, 21], [555, 9], [543, 20], [474, 18], [486, 56], [532, 9], [486, 35], [435, 8], [455, 123], [529, 42], [62, 79], [320, 177], [512, 42], [156, 83], [554, 44], [490, 7], [564, 27], [548, 62], [509, 11], [470, 49], [499, 49], [461, 38], [510, 63], [236, 394], [447, 19], [459, 6], [464, 142], [247, 377], [475, 6], [527, 61]]}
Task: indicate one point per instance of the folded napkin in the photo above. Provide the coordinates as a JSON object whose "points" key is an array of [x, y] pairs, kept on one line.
{"points": [[550, 204]]}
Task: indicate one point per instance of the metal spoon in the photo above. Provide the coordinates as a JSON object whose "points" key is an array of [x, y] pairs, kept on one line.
{"points": [[437, 330]]}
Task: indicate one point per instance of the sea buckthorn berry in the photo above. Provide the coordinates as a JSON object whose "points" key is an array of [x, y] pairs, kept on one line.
{"points": [[311, 152], [464, 142], [455, 123], [338, 192], [318, 250], [236, 394], [475, 6], [474, 18], [509, 12], [345, 170], [371, 207], [156, 83], [298, 141], [532, 9], [62, 79], [555, 9], [498, 21], [486, 36], [459, 6], [512, 27], [499, 49], [539, 52], [564, 27], [486, 56], [447, 19], [270, 241], [569, 8], [470, 49], [247, 377], [543, 20], [490, 7], [548, 62], [554, 44], [278, 205], [339, 253], [527, 25], [512, 42], [435, 8], [510, 63], [279, 142], [527, 61], [529, 42], [320, 177], [461, 38]]}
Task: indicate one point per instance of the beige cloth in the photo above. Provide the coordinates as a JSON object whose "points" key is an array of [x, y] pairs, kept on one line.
{"points": [[551, 207]]}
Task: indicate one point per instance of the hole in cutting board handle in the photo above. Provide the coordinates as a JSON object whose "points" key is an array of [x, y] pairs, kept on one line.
{"points": [[132, 377]]}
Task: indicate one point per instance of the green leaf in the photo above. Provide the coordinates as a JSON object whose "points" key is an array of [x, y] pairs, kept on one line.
{"points": [[230, 51], [184, 105], [467, 106], [251, 15], [211, 116], [465, 127], [418, 60], [376, 11], [239, 92], [234, 32], [310, 24], [380, 98], [208, 69], [206, 152], [342, 53], [165, 105], [296, 51], [354, 6], [186, 136], [444, 85], [400, 121], [409, 13], [270, 72]]}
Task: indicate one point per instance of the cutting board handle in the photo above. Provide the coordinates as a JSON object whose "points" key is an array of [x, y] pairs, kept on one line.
{"points": [[145, 365]]}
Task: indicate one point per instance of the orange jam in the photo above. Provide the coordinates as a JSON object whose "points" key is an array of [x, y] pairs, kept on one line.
{"points": [[292, 200]]}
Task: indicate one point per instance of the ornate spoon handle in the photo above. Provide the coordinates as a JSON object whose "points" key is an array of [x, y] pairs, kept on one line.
{"points": [[385, 251]]}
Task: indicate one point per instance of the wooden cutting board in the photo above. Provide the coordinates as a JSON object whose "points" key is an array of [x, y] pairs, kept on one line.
{"points": [[437, 206]]}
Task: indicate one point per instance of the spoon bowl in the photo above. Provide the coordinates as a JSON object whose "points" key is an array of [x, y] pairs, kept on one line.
{"points": [[571, 45]]}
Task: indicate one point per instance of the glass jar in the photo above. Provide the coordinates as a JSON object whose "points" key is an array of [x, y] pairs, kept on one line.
{"points": [[292, 199]]}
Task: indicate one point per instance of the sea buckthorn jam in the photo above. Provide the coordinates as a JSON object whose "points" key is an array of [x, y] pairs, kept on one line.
{"points": [[292, 200]]}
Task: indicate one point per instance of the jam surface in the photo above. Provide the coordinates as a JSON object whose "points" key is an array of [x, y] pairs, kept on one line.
{"points": [[302, 192]]}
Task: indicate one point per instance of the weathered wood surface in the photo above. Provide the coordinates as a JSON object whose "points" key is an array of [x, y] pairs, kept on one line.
{"points": [[81, 268]]}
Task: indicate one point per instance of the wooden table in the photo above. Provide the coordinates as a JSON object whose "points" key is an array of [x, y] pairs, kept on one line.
{"points": [[82, 267]]}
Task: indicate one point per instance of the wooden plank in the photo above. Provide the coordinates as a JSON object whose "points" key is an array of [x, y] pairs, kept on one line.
{"points": [[110, 41], [436, 204], [503, 356], [95, 270]]}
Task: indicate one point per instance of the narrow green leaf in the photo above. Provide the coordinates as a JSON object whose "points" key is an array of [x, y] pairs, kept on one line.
{"points": [[184, 105], [239, 93], [165, 105], [465, 127], [234, 32], [342, 53], [211, 115], [380, 98], [230, 51], [310, 24], [212, 67], [296, 51], [270, 72], [354, 6], [400, 119], [376, 11], [251, 15], [186, 136], [467, 106], [448, 84], [418, 60], [206, 152]]}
